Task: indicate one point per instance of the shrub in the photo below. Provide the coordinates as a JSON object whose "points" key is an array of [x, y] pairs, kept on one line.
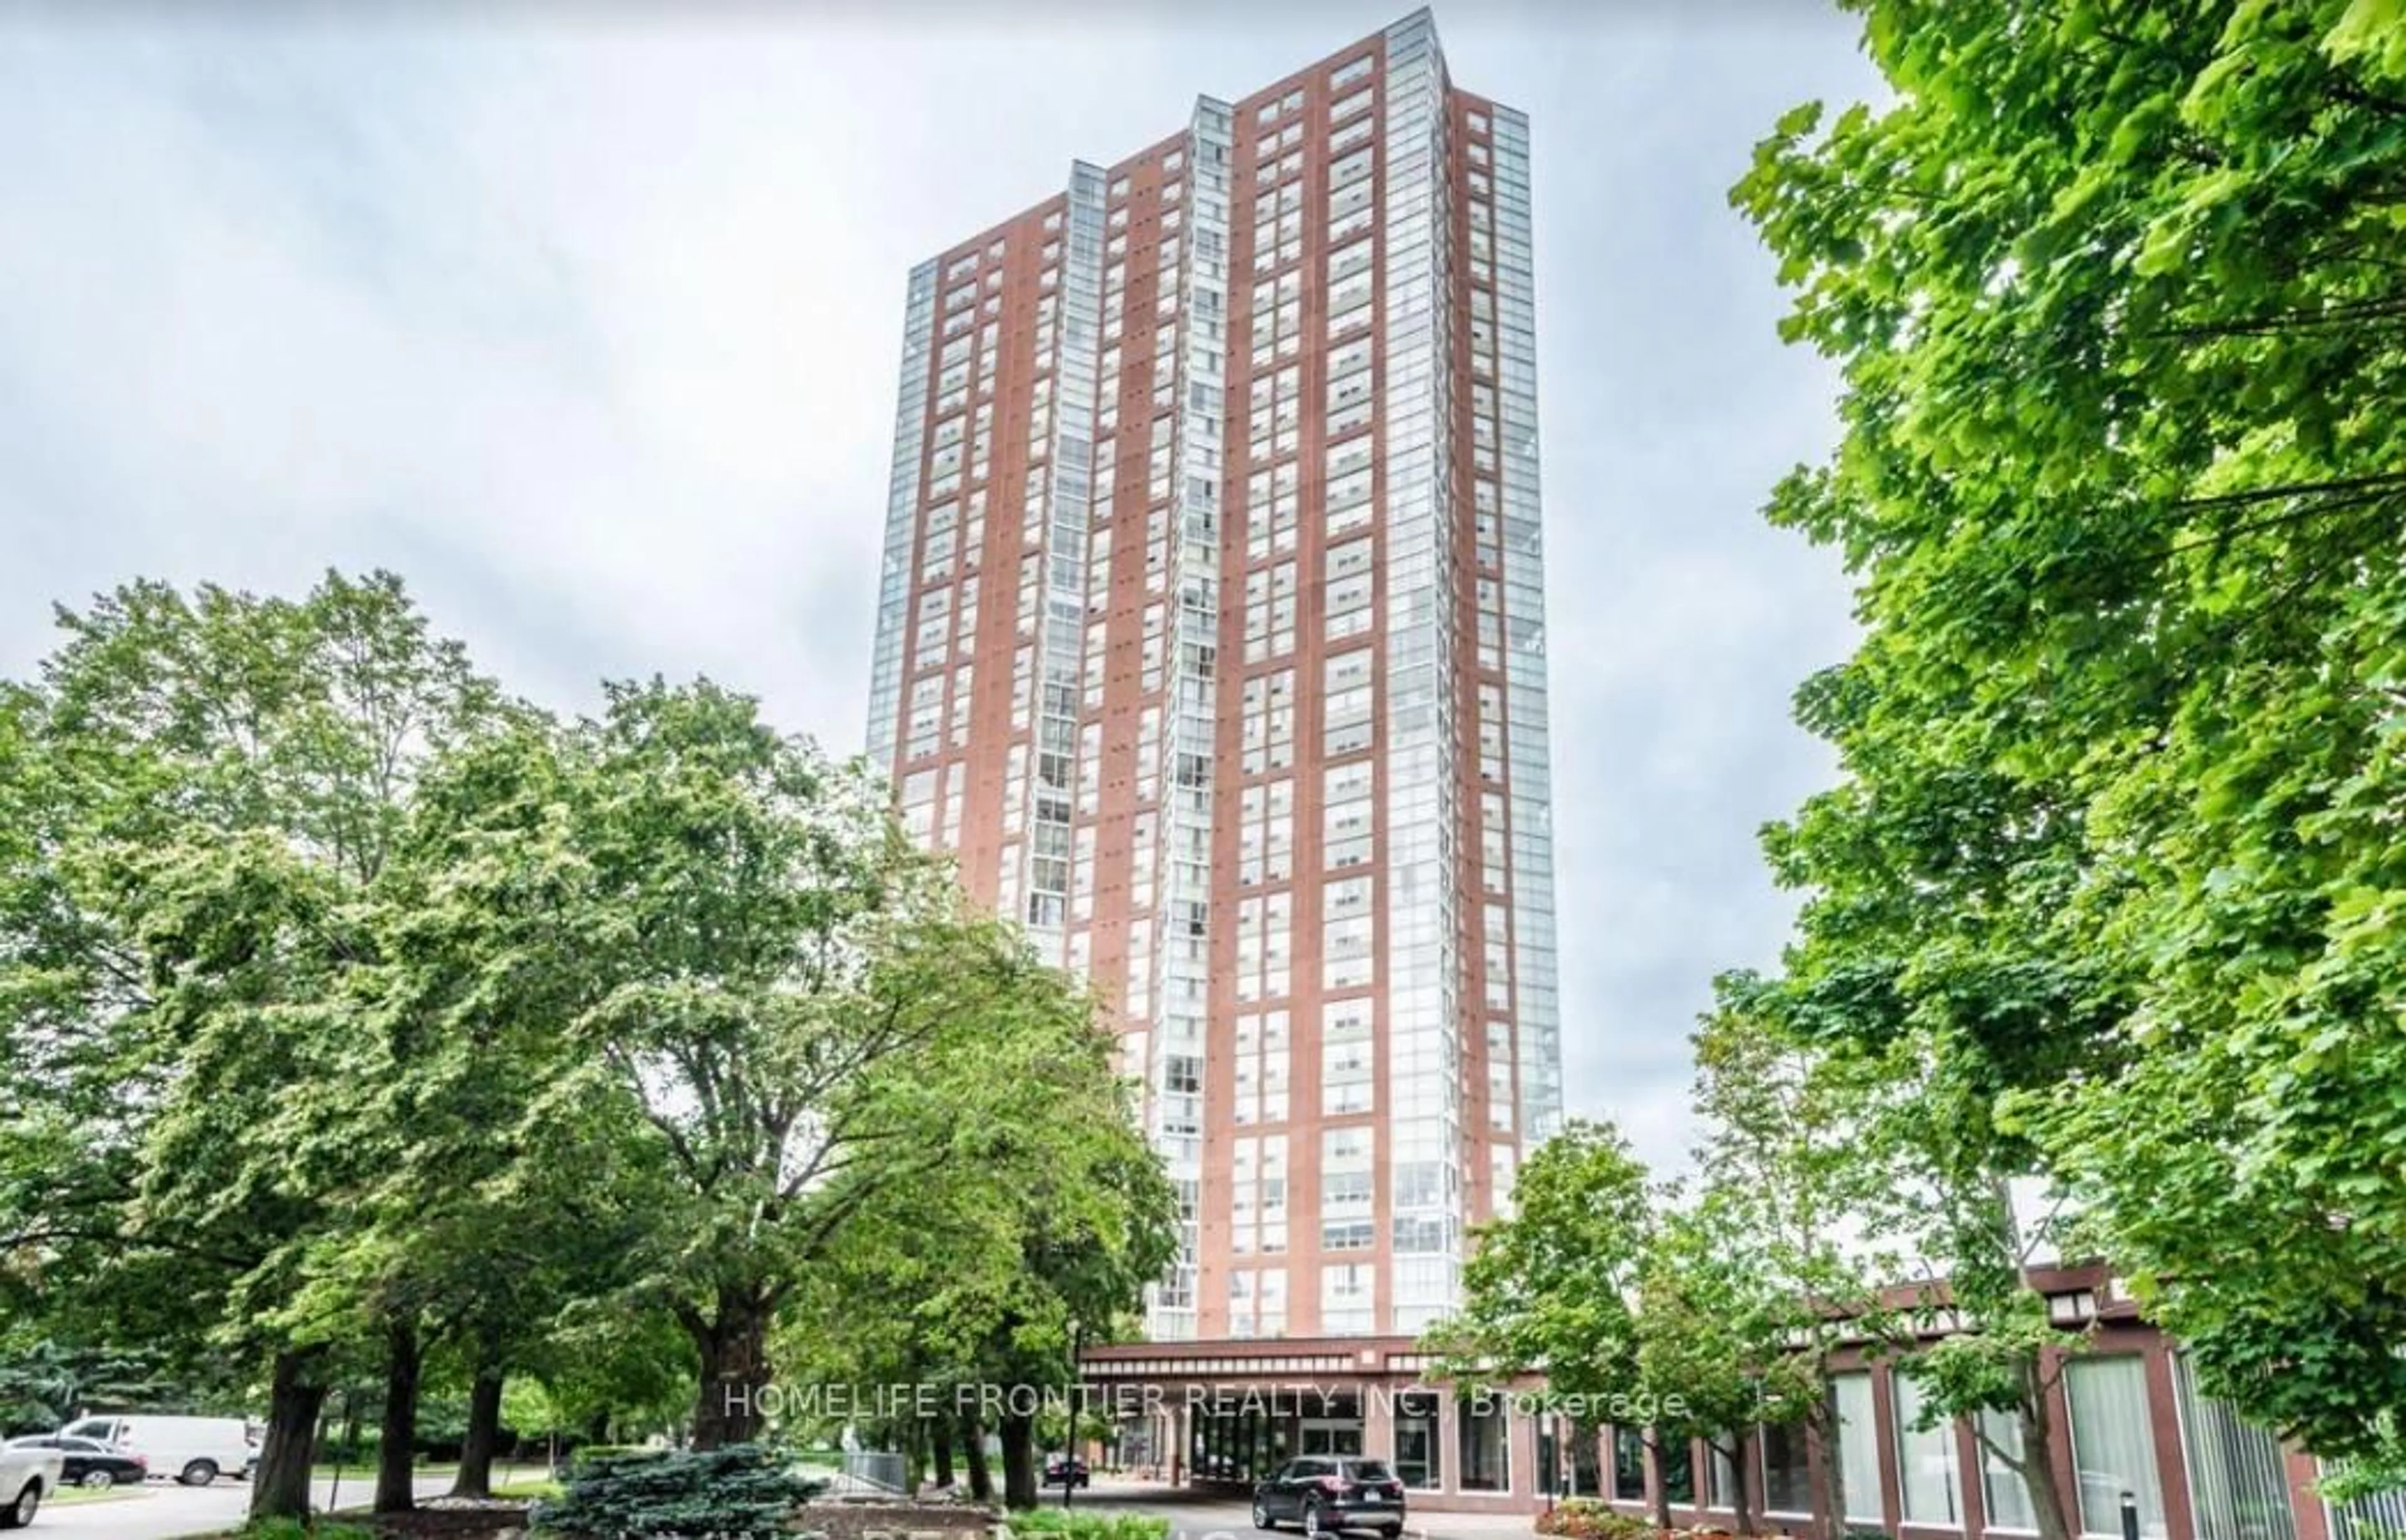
{"points": [[739, 1493], [1083, 1524], [1593, 1519]]}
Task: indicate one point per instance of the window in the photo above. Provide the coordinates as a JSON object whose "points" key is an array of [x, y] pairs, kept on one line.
{"points": [[1419, 1461], [1346, 1065], [1263, 945], [1787, 1481], [1859, 1459], [1928, 1478], [2238, 1487], [1345, 699], [1358, 69], [1258, 1210], [2008, 1500], [1348, 820], [1355, 1234], [1261, 1068], [1266, 834], [1678, 1461], [1348, 607], [1345, 1297], [1586, 1468], [1721, 1474], [2112, 1443], [1485, 1463], [1268, 722], [1629, 1465], [2371, 1516]]}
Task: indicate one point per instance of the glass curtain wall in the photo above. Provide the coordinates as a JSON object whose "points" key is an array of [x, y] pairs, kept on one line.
{"points": [[2238, 1487]]}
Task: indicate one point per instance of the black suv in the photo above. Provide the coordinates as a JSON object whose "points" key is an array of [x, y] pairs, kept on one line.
{"points": [[1327, 1493]]}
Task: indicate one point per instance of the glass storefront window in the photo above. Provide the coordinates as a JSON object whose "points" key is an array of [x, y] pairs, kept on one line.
{"points": [[1858, 1445], [1787, 1480], [2238, 1488], [2007, 1499], [1629, 1465], [2113, 1444], [1485, 1461], [1417, 1448], [1927, 1473], [1721, 1476], [1679, 1471], [1587, 1462]]}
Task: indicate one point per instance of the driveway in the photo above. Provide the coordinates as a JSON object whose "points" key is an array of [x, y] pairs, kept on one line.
{"points": [[163, 1511], [1195, 1516]]}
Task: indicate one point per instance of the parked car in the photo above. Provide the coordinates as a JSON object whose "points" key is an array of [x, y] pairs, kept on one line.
{"points": [[195, 1450], [1061, 1470], [1329, 1493], [26, 1476], [90, 1464]]}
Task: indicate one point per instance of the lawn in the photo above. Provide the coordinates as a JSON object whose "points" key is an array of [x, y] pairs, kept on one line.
{"points": [[73, 1496]]}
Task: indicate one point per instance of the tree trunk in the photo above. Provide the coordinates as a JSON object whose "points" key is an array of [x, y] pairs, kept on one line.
{"points": [[1662, 1482], [397, 1431], [1740, 1499], [475, 1478], [733, 1343], [942, 1450], [281, 1489], [2038, 1459], [1829, 1477], [973, 1450], [1018, 1461]]}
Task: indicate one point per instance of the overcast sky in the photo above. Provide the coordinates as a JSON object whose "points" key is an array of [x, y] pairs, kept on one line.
{"points": [[588, 325]]}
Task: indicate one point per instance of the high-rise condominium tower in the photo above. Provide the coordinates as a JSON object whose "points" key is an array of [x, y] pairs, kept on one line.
{"points": [[1211, 642]]}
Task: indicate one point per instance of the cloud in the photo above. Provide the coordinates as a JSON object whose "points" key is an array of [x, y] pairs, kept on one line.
{"points": [[588, 324]]}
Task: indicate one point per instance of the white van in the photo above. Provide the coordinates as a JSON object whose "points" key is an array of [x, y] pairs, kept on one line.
{"points": [[195, 1450]]}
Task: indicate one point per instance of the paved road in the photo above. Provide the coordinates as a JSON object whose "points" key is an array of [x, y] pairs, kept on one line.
{"points": [[165, 1511], [1193, 1517]]}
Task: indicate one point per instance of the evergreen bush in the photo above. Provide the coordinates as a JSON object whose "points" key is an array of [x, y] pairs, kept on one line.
{"points": [[743, 1492]]}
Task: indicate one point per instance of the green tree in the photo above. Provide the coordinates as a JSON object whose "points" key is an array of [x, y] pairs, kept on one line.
{"points": [[492, 1204], [1712, 1348], [1552, 1289], [800, 1018], [996, 1276], [2113, 876], [209, 787], [1799, 1195]]}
